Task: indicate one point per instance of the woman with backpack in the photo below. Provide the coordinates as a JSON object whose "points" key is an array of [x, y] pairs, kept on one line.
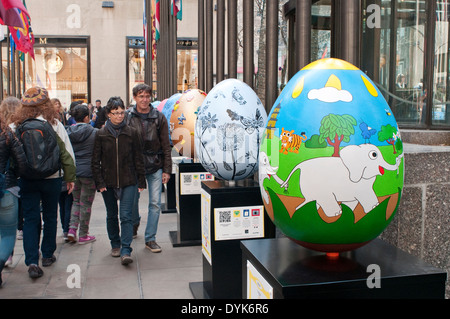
{"points": [[37, 128], [12, 163], [118, 170]]}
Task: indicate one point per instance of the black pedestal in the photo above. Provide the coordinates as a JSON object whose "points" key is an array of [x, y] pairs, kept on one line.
{"points": [[188, 199], [230, 213], [291, 271]]}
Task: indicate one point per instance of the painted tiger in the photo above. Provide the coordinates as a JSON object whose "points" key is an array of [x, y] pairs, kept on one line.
{"points": [[291, 142]]}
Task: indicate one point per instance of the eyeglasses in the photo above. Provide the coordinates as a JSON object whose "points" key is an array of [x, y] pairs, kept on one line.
{"points": [[117, 113]]}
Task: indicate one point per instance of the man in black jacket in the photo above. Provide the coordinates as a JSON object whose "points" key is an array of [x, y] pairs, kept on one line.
{"points": [[154, 132], [100, 115]]}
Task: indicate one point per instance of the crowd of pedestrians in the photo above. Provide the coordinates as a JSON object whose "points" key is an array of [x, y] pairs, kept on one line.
{"points": [[51, 158]]}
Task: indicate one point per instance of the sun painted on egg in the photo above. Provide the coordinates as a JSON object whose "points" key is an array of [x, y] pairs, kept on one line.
{"points": [[331, 160]]}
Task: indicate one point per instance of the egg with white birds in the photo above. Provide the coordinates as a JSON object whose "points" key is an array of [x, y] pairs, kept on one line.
{"points": [[229, 129], [331, 160], [183, 120]]}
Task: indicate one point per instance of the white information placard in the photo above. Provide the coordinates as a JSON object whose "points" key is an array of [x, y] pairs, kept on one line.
{"points": [[206, 231], [257, 286], [239, 222], [191, 183]]}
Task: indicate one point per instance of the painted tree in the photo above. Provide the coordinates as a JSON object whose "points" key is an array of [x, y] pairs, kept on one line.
{"points": [[389, 134], [336, 129]]}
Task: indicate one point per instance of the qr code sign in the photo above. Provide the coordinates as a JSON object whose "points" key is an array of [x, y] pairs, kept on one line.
{"points": [[225, 217], [187, 178]]}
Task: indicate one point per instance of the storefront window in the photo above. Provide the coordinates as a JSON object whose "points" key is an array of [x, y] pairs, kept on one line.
{"points": [[187, 62], [61, 66], [441, 86]]}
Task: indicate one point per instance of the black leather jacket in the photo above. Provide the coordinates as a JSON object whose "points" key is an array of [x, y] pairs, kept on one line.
{"points": [[11, 149], [117, 162], [154, 136]]}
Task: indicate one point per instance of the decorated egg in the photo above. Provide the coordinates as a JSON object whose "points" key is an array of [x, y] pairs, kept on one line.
{"points": [[183, 120], [167, 110], [229, 129], [331, 161], [161, 105]]}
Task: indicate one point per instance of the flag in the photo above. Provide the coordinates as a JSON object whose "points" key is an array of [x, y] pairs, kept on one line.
{"points": [[176, 9], [157, 20], [153, 30], [145, 28], [23, 37]]}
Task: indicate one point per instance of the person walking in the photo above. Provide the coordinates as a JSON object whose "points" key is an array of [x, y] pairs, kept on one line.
{"points": [[36, 123], [82, 136], [118, 171], [154, 137], [12, 163]]}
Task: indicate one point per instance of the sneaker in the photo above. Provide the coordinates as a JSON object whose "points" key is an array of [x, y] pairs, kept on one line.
{"points": [[72, 235], [66, 239], [19, 235], [126, 259], [34, 271], [86, 239], [153, 246], [48, 261], [115, 252]]}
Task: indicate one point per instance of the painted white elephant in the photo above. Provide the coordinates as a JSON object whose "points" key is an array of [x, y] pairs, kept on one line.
{"points": [[265, 172], [348, 179]]}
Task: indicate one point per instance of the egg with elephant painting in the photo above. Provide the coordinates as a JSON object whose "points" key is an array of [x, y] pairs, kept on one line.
{"points": [[183, 120], [331, 161], [229, 129]]}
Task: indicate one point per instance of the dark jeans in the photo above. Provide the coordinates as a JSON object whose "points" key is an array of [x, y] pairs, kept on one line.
{"points": [[32, 193], [120, 237], [65, 207]]}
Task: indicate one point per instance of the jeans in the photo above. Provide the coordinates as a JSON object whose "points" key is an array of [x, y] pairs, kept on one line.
{"points": [[120, 237], [65, 206], [9, 208], [32, 193], [154, 184]]}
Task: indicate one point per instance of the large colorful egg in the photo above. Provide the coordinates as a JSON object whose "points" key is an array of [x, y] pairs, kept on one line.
{"points": [[229, 129], [183, 120], [331, 160], [167, 110]]}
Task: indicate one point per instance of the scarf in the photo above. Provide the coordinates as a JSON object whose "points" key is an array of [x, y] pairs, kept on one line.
{"points": [[113, 128]]}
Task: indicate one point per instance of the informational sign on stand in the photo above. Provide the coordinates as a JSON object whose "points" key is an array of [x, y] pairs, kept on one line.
{"points": [[191, 183], [206, 231], [239, 222], [257, 286]]}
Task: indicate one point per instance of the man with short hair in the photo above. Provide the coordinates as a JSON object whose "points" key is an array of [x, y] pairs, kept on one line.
{"points": [[153, 130], [100, 115]]}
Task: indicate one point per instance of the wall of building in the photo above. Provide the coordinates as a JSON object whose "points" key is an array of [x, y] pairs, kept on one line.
{"points": [[107, 29]]}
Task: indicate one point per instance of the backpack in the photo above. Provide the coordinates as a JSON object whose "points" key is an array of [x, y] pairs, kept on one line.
{"points": [[41, 148]]}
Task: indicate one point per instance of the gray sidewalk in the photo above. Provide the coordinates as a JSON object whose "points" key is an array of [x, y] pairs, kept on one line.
{"points": [[150, 276]]}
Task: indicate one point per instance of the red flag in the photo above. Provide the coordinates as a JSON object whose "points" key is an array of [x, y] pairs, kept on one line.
{"points": [[10, 13], [23, 37]]}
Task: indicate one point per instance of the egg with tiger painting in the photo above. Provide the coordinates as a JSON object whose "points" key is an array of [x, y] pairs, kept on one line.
{"points": [[331, 160], [182, 120], [229, 129]]}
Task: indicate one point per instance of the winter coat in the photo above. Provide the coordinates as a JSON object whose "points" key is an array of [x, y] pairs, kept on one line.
{"points": [[118, 162], [82, 137], [11, 150], [154, 136]]}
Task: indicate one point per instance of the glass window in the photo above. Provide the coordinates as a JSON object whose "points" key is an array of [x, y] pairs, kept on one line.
{"points": [[441, 86], [409, 87], [187, 64], [61, 66]]}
